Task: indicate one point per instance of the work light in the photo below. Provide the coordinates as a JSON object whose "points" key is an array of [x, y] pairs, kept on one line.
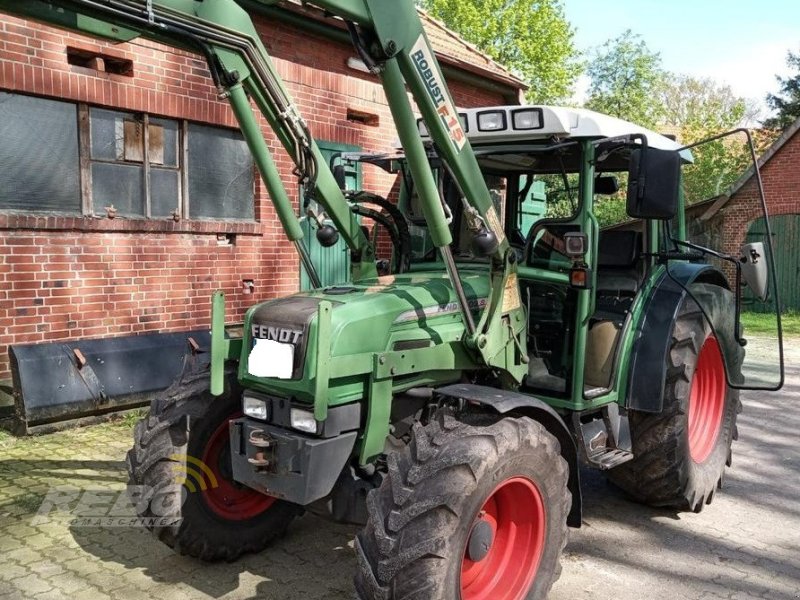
{"points": [[492, 120], [527, 118]]}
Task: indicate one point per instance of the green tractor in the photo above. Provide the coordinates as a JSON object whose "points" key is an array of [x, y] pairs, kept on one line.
{"points": [[448, 404]]}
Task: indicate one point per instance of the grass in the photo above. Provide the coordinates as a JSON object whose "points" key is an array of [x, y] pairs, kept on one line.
{"points": [[5, 439], [130, 418], [758, 323]]}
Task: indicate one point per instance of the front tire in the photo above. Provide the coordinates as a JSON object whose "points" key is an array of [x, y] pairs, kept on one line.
{"points": [[468, 511], [681, 453], [180, 468]]}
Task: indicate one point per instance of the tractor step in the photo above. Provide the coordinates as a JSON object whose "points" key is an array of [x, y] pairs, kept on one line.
{"points": [[610, 459], [604, 437]]}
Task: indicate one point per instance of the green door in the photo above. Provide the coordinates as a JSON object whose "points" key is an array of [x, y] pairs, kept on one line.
{"points": [[786, 244], [534, 207], [333, 264]]}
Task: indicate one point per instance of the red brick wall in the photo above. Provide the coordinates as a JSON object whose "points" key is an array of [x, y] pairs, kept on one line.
{"points": [[74, 277], [781, 179]]}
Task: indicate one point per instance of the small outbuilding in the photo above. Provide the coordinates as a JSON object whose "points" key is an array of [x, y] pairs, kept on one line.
{"points": [[735, 217], [127, 195]]}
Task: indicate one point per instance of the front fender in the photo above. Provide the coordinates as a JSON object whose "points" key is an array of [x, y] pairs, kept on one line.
{"points": [[504, 402]]}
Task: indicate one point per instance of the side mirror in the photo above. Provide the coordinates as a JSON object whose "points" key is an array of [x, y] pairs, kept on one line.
{"points": [[653, 183], [606, 185], [337, 168], [340, 176], [755, 270]]}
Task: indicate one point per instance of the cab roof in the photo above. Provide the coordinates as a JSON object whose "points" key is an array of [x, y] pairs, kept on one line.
{"points": [[495, 124]]}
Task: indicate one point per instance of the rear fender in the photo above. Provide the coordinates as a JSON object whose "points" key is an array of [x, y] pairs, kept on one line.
{"points": [[648, 365], [507, 402]]}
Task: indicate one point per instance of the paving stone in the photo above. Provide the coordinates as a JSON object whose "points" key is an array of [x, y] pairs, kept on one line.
{"points": [[744, 545], [31, 584]]}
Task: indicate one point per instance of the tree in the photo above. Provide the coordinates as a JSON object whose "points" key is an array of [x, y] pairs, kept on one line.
{"points": [[626, 79], [787, 103], [697, 109], [694, 103], [531, 37]]}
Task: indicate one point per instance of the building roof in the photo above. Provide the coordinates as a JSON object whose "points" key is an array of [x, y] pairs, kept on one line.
{"points": [[449, 44], [714, 205], [450, 48]]}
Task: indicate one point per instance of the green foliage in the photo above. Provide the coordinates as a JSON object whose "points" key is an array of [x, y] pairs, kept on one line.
{"points": [[611, 210], [6, 439], [764, 323], [531, 37], [697, 109], [787, 102], [562, 197], [693, 103], [719, 164], [626, 79], [130, 418]]}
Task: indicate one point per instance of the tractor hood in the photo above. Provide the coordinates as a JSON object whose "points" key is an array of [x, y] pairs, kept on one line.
{"points": [[376, 315]]}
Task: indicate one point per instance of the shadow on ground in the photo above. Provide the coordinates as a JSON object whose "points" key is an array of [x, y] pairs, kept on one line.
{"points": [[744, 545]]}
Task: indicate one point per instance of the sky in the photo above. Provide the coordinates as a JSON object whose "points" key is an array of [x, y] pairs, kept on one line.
{"points": [[742, 43]]}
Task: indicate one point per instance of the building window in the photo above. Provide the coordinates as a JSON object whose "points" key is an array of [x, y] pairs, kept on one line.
{"points": [[39, 166], [220, 174], [141, 165], [135, 165]]}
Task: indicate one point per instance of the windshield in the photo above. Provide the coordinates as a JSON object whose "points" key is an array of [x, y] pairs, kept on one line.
{"points": [[526, 183]]}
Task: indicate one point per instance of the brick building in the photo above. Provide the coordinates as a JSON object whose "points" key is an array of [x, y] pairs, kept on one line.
{"points": [[734, 218], [125, 195]]}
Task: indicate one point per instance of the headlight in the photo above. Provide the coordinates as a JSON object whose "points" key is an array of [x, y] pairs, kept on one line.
{"points": [[255, 408], [303, 420]]}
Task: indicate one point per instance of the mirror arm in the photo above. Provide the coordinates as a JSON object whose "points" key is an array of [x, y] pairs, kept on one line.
{"points": [[736, 263], [704, 250]]}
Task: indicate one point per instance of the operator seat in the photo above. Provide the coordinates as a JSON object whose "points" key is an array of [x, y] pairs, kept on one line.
{"points": [[619, 268], [619, 276]]}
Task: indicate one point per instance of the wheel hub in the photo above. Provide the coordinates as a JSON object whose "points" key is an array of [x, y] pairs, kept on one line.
{"points": [[225, 497], [480, 540], [506, 543]]}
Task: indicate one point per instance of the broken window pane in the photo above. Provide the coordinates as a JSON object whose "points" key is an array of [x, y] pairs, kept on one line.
{"points": [[220, 174], [116, 136]]}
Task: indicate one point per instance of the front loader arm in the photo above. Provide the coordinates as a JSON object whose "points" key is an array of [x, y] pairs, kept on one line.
{"points": [[389, 34]]}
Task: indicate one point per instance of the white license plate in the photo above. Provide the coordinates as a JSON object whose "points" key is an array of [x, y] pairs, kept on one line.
{"points": [[269, 358]]}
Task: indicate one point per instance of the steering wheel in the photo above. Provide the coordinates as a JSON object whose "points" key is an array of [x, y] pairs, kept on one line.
{"points": [[392, 220]]}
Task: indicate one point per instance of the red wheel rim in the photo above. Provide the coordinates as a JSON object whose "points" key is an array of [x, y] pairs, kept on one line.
{"points": [[515, 510], [706, 401], [226, 499]]}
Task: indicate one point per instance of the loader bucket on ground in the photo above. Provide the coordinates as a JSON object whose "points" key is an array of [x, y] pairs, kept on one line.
{"points": [[61, 383]]}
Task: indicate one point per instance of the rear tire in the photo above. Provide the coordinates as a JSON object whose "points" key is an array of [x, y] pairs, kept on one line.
{"points": [[681, 453], [506, 476], [205, 513]]}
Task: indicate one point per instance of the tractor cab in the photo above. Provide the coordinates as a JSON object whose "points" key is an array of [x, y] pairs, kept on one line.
{"points": [[566, 184]]}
